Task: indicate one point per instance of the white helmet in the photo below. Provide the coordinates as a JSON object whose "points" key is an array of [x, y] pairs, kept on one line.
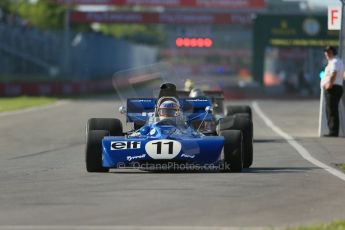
{"points": [[195, 92]]}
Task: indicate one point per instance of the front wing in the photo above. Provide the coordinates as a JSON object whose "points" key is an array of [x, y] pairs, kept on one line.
{"points": [[124, 152]]}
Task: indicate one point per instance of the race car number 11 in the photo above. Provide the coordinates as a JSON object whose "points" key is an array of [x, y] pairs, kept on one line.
{"points": [[163, 149]]}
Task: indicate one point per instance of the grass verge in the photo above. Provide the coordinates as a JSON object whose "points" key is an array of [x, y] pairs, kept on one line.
{"points": [[338, 225], [342, 167], [15, 103], [30, 78]]}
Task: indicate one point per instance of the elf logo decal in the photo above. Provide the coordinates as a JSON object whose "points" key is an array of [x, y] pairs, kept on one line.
{"points": [[122, 145], [163, 149]]}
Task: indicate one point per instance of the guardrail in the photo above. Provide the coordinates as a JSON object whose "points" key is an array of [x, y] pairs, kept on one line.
{"points": [[66, 88], [54, 88]]}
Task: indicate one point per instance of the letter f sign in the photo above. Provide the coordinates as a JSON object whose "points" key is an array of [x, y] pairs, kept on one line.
{"points": [[334, 18], [334, 15]]}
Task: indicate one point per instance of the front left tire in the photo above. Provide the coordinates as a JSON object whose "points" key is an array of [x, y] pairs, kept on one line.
{"points": [[93, 152], [112, 125]]}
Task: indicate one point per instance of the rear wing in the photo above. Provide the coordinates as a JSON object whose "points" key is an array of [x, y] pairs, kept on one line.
{"points": [[208, 93], [216, 96], [138, 109]]}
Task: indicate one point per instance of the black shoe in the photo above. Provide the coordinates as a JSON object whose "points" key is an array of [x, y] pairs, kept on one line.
{"points": [[330, 135]]}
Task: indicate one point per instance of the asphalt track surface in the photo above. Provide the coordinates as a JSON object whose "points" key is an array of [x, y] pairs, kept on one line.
{"points": [[44, 184]]}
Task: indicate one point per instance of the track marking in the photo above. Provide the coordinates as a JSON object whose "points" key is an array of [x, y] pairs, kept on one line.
{"points": [[109, 227], [34, 109], [297, 146]]}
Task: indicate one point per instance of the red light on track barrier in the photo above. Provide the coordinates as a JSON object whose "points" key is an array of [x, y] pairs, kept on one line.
{"points": [[179, 42], [186, 42], [208, 42], [194, 42], [200, 42]]}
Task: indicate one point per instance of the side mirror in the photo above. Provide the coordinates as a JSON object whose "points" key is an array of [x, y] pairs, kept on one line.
{"points": [[209, 109], [123, 109]]}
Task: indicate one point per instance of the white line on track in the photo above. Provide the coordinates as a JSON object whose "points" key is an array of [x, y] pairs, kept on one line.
{"points": [[109, 227], [34, 109], [299, 148]]}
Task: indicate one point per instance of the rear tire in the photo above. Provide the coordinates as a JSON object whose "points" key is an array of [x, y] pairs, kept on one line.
{"points": [[93, 152], [233, 149], [235, 109], [241, 122], [112, 125]]}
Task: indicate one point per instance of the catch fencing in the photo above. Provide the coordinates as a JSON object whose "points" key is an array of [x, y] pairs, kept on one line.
{"points": [[26, 51]]}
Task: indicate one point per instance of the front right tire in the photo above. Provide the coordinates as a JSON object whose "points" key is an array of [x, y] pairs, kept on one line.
{"points": [[233, 155], [243, 123]]}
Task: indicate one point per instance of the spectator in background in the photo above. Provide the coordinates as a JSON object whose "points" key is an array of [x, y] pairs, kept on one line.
{"points": [[332, 84]]}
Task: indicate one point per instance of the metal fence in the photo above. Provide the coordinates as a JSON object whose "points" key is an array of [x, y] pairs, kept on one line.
{"points": [[94, 55], [27, 51]]}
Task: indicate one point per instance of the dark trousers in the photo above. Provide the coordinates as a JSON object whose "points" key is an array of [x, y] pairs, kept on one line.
{"points": [[333, 97]]}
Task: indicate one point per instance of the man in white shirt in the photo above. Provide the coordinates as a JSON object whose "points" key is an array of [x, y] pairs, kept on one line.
{"points": [[332, 83]]}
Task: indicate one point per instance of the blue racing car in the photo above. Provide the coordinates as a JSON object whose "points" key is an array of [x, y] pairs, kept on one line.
{"points": [[167, 140]]}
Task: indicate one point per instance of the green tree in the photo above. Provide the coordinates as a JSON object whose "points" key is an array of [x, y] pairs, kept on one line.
{"points": [[5, 5], [48, 14], [44, 14], [144, 34]]}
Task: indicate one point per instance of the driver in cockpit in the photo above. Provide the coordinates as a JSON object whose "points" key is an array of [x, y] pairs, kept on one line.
{"points": [[169, 113], [168, 110], [168, 107]]}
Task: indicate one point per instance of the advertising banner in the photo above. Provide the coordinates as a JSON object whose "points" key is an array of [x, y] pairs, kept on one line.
{"points": [[161, 18], [221, 4]]}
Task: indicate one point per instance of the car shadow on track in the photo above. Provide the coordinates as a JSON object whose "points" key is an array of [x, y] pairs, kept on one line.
{"points": [[278, 169], [254, 170], [264, 141]]}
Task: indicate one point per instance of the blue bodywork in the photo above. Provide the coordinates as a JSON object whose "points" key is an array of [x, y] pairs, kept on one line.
{"points": [[163, 140]]}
